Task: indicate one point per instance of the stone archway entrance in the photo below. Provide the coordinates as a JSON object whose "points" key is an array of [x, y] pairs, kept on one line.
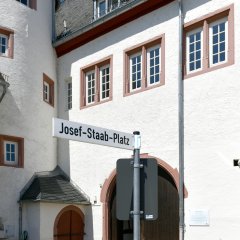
{"points": [[69, 224], [165, 227]]}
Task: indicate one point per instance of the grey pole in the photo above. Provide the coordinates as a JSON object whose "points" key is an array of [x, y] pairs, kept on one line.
{"points": [[136, 186], [181, 126]]}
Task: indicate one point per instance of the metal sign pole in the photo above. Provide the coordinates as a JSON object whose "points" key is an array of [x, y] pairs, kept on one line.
{"points": [[136, 186]]}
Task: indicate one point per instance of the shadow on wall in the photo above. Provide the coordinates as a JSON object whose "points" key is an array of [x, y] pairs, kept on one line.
{"points": [[190, 4], [63, 151], [131, 29], [89, 223]]}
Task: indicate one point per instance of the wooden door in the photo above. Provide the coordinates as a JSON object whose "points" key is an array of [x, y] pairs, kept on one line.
{"points": [[166, 227], [70, 226]]}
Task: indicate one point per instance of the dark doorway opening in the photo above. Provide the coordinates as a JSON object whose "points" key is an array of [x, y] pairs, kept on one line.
{"points": [[165, 227]]}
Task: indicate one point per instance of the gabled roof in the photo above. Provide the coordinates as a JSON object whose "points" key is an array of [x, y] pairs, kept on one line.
{"points": [[53, 186]]}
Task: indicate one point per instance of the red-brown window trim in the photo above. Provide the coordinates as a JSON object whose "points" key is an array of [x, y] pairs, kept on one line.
{"points": [[142, 47], [10, 36], [204, 22], [96, 68], [50, 82], [33, 4], [20, 142]]}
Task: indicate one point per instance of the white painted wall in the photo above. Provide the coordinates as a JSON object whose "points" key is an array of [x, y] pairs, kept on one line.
{"points": [[211, 111], [22, 111]]}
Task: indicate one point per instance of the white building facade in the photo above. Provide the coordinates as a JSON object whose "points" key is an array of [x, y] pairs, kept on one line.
{"points": [[125, 76]]}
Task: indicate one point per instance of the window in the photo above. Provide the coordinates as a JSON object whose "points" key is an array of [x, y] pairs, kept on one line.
{"points": [[48, 90], [194, 50], [101, 8], [144, 66], [96, 83], [11, 151], [68, 91], [3, 45], [6, 42], [209, 42], [105, 82], [30, 3], [218, 41], [153, 65], [135, 71]]}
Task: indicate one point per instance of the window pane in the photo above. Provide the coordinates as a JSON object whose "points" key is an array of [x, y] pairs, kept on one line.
{"points": [[215, 29], [215, 39], [222, 37], [215, 59], [222, 57], [222, 47], [191, 68], [215, 49], [198, 64], [12, 157], [12, 148], [222, 27], [8, 146]]}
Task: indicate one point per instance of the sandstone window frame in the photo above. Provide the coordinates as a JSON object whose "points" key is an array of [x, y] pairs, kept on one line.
{"points": [[8, 34], [205, 23], [48, 90], [143, 49], [96, 91], [18, 142]]}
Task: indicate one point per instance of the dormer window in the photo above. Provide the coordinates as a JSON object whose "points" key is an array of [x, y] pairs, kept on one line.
{"points": [[102, 7]]}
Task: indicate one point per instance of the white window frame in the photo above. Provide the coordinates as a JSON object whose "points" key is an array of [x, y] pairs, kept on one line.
{"points": [[95, 82], [46, 91], [130, 71], [158, 46], [15, 162], [101, 83], [6, 39], [188, 52], [225, 19]]}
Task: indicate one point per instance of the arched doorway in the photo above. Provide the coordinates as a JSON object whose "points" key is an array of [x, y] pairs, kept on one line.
{"points": [[69, 224], [165, 227]]}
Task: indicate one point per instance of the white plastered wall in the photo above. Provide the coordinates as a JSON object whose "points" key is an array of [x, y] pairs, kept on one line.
{"points": [[211, 120], [22, 111]]}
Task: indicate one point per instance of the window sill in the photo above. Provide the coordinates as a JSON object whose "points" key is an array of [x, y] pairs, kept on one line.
{"points": [[95, 104], [210, 69], [144, 89]]}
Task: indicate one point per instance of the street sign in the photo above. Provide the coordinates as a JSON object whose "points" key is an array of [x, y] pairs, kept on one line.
{"points": [[148, 189], [92, 134]]}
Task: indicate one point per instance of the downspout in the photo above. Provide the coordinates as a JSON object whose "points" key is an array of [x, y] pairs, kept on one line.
{"points": [[20, 221], [181, 125], [53, 22]]}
